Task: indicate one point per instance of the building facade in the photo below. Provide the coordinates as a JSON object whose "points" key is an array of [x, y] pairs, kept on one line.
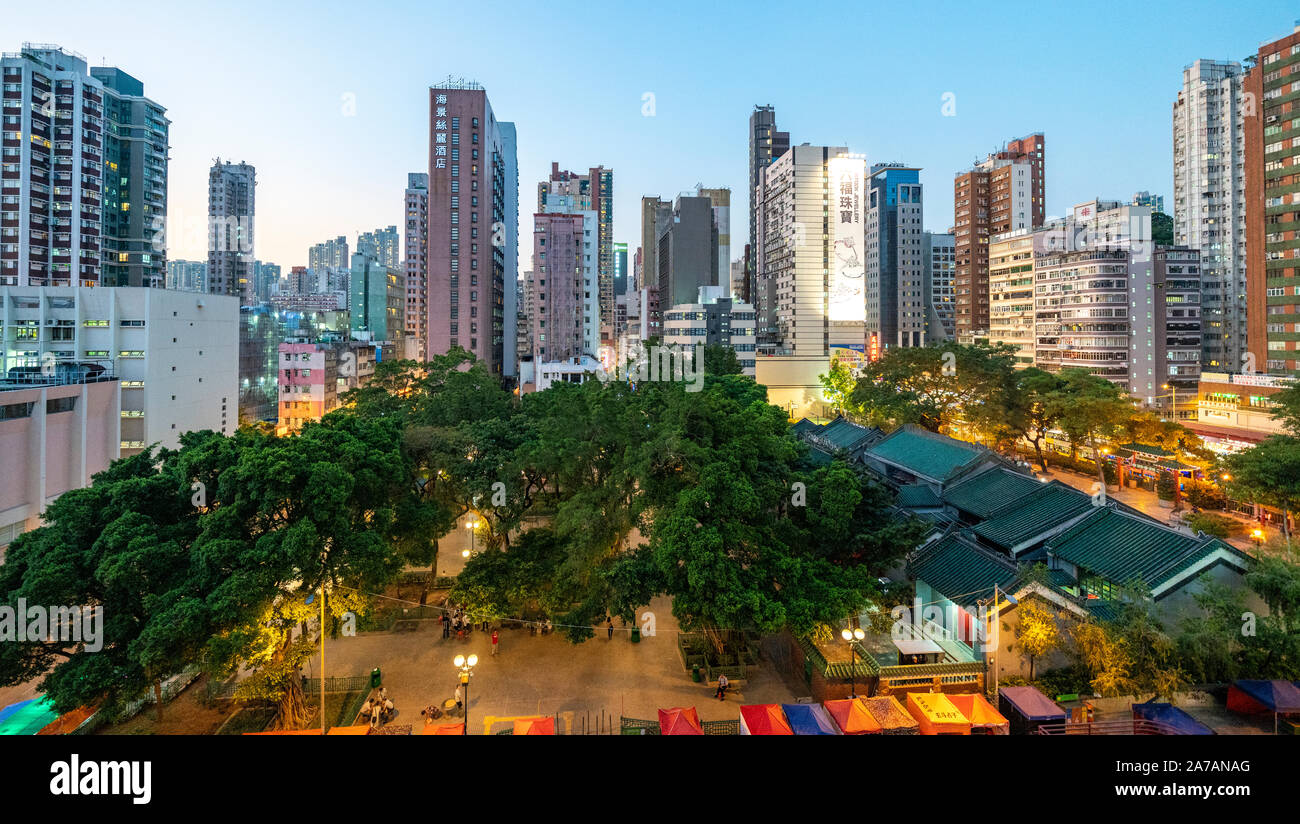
{"points": [[1210, 200], [416, 208], [1011, 293], [713, 321], [896, 267], [765, 145], [940, 253], [560, 287], [232, 206], [1002, 193]]}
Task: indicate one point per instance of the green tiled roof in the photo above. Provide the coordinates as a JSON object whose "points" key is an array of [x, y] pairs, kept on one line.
{"points": [[843, 434], [818, 457], [1121, 548], [924, 453], [804, 425], [984, 493], [918, 496], [1048, 506], [960, 571]]}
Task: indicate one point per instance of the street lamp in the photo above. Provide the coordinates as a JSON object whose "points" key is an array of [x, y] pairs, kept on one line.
{"points": [[471, 526], [1258, 535], [1173, 399], [466, 667], [851, 635]]}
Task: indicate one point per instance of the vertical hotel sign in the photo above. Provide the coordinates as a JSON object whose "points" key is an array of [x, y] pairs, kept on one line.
{"points": [[846, 300], [440, 131]]}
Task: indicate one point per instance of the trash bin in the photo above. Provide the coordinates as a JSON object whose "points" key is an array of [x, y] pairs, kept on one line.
{"points": [[375, 678], [636, 635], [695, 673]]}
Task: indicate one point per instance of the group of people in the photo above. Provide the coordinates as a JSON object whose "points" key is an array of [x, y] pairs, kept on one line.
{"points": [[544, 627], [379, 709], [459, 622]]}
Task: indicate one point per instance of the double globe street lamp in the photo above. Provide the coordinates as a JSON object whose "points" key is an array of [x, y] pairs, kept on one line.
{"points": [[851, 636], [466, 668]]}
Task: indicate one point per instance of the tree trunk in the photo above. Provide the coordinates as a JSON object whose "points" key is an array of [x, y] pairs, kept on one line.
{"points": [[1038, 448], [433, 575], [157, 698], [291, 713], [1097, 459]]}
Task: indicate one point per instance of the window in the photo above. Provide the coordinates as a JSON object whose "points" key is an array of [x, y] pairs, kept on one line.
{"points": [[56, 405]]}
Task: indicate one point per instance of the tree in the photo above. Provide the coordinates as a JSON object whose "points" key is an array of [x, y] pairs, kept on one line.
{"points": [[1089, 409], [1286, 406], [721, 360], [838, 385], [1162, 229], [1028, 411], [1268, 473], [933, 386], [1037, 631]]}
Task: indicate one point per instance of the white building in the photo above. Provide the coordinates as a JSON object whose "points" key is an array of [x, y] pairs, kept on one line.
{"points": [[713, 321], [1210, 200], [940, 251], [175, 353]]}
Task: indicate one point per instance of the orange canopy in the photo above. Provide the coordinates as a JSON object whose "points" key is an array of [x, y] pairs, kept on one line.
{"points": [[68, 722], [316, 731], [980, 713], [894, 719], [537, 725], [852, 716], [359, 729], [763, 719], [936, 714], [680, 721], [443, 729]]}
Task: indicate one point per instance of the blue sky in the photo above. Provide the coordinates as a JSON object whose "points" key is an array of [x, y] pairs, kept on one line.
{"points": [[265, 82]]}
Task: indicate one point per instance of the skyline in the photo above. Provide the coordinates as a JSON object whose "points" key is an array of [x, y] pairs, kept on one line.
{"points": [[366, 119]]}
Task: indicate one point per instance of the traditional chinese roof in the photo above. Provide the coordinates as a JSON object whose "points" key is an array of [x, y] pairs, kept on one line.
{"points": [[985, 492], [918, 496], [1045, 508], [961, 571], [924, 453]]}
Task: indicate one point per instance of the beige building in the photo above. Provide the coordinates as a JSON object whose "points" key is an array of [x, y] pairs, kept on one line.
{"points": [[1011, 293]]}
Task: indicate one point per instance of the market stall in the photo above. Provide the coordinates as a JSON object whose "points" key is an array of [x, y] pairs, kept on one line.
{"points": [[1249, 697], [356, 729], [1027, 709], [763, 719], [810, 719], [442, 729], [27, 717], [1170, 716], [680, 721], [936, 715], [983, 717], [853, 717], [893, 718]]}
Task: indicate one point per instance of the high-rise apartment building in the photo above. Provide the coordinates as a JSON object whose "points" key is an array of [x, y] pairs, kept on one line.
{"points": [[231, 216], [569, 196], [376, 301], [811, 261], [940, 252], [51, 170], [187, 275], [656, 214], [329, 255], [1210, 201], [571, 193], [473, 198], [1011, 293], [620, 269], [687, 253], [1144, 198], [896, 267], [560, 288], [1002, 193], [720, 199], [765, 145], [266, 280], [416, 206], [135, 183], [383, 245], [1272, 160]]}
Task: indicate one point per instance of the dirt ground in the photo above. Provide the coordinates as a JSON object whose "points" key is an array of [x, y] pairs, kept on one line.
{"points": [[184, 715]]}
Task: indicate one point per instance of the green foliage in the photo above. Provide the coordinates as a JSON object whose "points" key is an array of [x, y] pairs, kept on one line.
{"points": [[1268, 473], [1220, 526], [1166, 486], [1162, 229], [721, 360]]}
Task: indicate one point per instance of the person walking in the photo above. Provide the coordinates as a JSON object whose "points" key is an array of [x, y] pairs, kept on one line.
{"points": [[722, 686], [446, 625], [460, 697], [494, 642], [609, 622]]}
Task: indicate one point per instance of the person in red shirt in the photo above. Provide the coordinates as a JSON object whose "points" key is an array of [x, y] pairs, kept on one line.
{"points": [[494, 642]]}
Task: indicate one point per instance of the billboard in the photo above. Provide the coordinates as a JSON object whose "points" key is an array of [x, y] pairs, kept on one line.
{"points": [[846, 300]]}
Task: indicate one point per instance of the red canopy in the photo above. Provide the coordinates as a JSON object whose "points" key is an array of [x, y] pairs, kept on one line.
{"points": [[680, 721], [763, 719], [443, 729], [537, 725]]}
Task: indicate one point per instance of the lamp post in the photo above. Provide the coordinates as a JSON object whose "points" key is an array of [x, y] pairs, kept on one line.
{"points": [[471, 526], [466, 668], [1173, 399], [1258, 535], [851, 635]]}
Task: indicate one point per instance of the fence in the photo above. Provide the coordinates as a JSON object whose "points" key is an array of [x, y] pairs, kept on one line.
{"points": [[225, 690], [640, 726], [1119, 726]]}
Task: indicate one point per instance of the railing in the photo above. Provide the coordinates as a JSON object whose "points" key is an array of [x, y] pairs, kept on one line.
{"points": [[641, 726], [1120, 726]]}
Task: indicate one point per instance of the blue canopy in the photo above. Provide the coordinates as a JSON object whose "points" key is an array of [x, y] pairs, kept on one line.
{"points": [[810, 719], [1171, 716]]}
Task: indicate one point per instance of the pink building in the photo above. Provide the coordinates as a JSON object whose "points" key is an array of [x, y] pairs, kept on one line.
{"points": [[307, 374], [53, 436], [557, 287]]}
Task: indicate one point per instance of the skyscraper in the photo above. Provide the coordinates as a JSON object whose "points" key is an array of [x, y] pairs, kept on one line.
{"points": [[1272, 163], [811, 262], [940, 252], [1001, 193], [765, 145], [417, 230], [559, 288], [567, 192], [473, 201], [1210, 201], [329, 255], [687, 254], [383, 245], [231, 213], [896, 267], [720, 199], [135, 183], [53, 143]]}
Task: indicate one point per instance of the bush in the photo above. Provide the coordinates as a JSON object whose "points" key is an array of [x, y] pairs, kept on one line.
{"points": [[1220, 526], [1065, 681], [1165, 486], [1205, 495]]}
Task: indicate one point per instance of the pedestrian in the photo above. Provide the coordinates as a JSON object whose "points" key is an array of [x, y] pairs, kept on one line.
{"points": [[389, 709], [427, 712], [494, 642], [460, 697], [610, 624], [446, 626], [722, 687]]}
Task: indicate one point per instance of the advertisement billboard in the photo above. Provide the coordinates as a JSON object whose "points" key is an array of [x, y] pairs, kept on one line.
{"points": [[846, 300]]}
